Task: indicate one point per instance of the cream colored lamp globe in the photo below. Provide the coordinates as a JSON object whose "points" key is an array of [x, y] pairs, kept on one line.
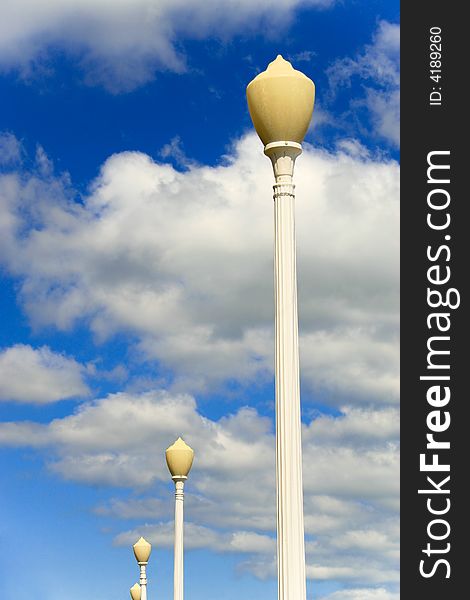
{"points": [[179, 458], [135, 592], [280, 101], [142, 550]]}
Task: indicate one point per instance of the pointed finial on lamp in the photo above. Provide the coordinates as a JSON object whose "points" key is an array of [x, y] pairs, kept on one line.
{"points": [[280, 65]]}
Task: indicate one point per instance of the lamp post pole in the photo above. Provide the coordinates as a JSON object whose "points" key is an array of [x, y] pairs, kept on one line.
{"points": [[179, 458], [142, 551], [143, 580], [280, 101], [290, 518], [178, 575]]}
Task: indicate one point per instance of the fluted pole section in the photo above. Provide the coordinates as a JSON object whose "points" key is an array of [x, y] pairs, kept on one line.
{"points": [[178, 575], [289, 493]]}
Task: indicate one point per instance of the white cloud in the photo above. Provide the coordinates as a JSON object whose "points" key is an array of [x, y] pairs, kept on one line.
{"points": [[358, 427], [104, 440], [183, 261], [303, 56], [366, 574], [350, 490], [352, 359], [10, 148], [377, 62], [373, 540], [385, 108], [197, 536], [122, 44], [363, 594], [378, 67], [39, 375]]}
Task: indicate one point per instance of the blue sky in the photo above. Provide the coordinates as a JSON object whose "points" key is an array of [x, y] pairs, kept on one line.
{"points": [[137, 303]]}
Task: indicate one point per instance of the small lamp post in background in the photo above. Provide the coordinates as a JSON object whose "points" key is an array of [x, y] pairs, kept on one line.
{"points": [[179, 458], [136, 592], [142, 551], [280, 101]]}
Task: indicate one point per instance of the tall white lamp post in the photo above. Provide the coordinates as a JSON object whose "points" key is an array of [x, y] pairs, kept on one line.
{"points": [[142, 551], [179, 458], [135, 592], [280, 101]]}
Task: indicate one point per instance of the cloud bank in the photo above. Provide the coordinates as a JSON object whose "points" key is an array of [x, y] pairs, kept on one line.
{"points": [[350, 488], [183, 263]]}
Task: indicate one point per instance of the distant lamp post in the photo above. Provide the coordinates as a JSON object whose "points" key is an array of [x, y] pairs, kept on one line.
{"points": [[280, 101], [179, 458], [135, 592], [142, 551]]}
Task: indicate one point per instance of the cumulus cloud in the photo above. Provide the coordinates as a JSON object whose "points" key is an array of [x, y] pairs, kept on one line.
{"points": [[351, 491], [104, 440], [378, 68], [122, 45], [39, 375], [183, 262]]}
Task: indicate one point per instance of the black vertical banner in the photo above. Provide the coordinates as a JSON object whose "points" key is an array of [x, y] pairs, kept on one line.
{"points": [[434, 301]]}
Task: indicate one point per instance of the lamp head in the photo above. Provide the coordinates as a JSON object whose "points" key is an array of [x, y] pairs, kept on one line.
{"points": [[135, 591], [142, 550], [179, 458], [280, 101]]}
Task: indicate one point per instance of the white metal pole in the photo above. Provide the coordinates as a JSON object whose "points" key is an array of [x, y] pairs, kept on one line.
{"points": [[143, 580], [178, 575], [289, 493]]}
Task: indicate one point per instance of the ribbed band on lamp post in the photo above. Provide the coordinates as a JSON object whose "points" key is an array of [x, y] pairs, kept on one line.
{"points": [[142, 551], [179, 458], [280, 101]]}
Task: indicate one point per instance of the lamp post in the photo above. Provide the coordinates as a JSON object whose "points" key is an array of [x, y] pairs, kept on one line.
{"points": [[179, 458], [142, 551], [136, 592], [280, 101]]}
